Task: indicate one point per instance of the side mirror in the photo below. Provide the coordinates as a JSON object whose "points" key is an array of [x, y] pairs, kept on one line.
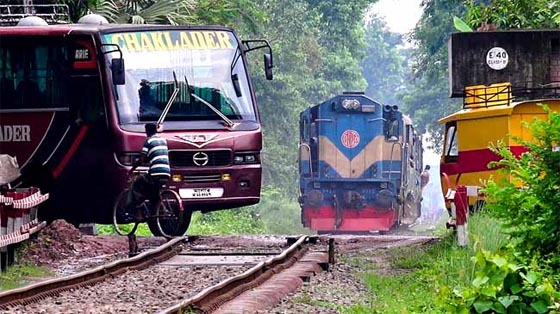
{"points": [[268, 65], [117, 71], [236, 86]]}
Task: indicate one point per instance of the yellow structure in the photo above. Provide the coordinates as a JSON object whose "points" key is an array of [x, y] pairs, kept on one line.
{"points": [[489, 115]]}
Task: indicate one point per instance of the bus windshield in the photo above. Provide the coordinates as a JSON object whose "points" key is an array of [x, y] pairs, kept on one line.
{"points": [[157, 61]]}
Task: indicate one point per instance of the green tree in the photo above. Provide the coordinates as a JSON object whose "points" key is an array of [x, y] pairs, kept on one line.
{"points": [[384, 64], [426, 98], [317, 47], [506, 14], [172, 12], [530, 214]]}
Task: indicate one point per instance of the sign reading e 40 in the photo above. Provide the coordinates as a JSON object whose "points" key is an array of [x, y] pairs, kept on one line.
{"points": [[497, 58]]}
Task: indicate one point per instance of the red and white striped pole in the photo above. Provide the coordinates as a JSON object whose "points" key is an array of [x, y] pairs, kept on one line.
{"points": [[461, 213]]}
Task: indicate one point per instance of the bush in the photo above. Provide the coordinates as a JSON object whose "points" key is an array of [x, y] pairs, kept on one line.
{"points": [[503, 287], [279, 213], [530, 214], [231, 221]]}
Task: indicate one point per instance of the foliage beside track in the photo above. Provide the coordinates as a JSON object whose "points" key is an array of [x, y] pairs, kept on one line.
{"points": [[235, 221], [530, 214], [417, 279], [524, 278], [16, 274]]}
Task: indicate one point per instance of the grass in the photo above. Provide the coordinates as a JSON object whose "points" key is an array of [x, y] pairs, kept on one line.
{"points": [[142, 231], [413, 283], [233, 221], [17, 275], [275, 214]]}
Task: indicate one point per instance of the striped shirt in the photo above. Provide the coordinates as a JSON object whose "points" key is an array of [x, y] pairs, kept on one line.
{"points": [[155, 148]]}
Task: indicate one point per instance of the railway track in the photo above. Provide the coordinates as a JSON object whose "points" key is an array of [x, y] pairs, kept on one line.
{"points": [[176, 277]]}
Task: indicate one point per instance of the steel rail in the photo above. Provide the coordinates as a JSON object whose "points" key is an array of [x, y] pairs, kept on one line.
{"points": [[41, 290], [213, 297]]}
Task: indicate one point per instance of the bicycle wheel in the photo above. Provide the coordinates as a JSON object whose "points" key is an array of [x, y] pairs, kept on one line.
{"points": [[124, 222], [169, 215]]}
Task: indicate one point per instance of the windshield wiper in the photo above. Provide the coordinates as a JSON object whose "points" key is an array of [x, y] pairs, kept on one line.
{"points": [[228, 123], [169, 102]]}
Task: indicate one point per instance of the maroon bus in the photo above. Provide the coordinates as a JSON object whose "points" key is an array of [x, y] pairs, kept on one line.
{"points": [[74, 100]]}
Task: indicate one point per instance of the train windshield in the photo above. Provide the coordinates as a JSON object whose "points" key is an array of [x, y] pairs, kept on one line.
{"points": [[204, 65]]}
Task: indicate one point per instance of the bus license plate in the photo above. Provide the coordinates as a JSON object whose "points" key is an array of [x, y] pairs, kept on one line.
{"points": [[201, 192]]}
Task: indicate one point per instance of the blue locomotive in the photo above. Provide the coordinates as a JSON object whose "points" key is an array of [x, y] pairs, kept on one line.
{"points": [[359, 166]]}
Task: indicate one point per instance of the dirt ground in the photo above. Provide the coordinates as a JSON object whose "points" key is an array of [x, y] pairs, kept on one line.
{"points": [[63, 249]]}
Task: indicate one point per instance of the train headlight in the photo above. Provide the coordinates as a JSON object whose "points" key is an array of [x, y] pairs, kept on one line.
{"points": [[384, 198], [350, 104], [314, 197]]}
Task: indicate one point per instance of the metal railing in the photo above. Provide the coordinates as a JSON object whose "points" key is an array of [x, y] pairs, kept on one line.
{"points": [[18, 219], [504, 94], [51, 13]]}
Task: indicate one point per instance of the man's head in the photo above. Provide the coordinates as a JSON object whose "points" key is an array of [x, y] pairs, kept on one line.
{"points": [[427, 167], [151, 129]]}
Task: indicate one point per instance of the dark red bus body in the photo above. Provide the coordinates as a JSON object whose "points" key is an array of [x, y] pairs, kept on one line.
{"points": [[75, 151]]}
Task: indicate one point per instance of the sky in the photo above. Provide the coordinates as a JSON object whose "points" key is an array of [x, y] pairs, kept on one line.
{"points": [[401, 15]]}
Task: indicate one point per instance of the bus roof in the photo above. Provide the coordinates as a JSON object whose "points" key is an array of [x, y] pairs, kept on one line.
{"points": [[61, 29]]}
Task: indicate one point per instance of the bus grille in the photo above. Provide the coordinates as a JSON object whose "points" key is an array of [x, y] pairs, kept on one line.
{"points": [[209, 178], [216, 158]]}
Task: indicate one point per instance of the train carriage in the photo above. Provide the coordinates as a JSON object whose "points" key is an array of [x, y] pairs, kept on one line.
{"points": [[470, 132], [503, 77], [73, 114], [359, 166]]}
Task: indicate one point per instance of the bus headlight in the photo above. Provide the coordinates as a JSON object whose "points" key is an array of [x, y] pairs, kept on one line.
{"points": [[128, 159], [246, 158]]}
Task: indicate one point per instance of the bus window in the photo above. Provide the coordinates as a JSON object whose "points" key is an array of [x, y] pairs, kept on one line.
{"points": [[32, 73], [451, 148]]}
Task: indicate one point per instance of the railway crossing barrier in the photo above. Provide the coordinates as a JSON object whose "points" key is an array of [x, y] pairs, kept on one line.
{"points": [[18, 220]]}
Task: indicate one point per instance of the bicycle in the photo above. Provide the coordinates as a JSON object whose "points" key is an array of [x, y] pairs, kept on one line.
{"points": [[166, 220]]}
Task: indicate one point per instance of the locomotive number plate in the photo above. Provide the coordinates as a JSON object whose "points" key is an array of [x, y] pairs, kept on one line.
{"points": [[201, 192]]}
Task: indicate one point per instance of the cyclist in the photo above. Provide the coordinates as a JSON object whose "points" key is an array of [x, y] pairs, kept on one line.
{"points": [[148, 185]]}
